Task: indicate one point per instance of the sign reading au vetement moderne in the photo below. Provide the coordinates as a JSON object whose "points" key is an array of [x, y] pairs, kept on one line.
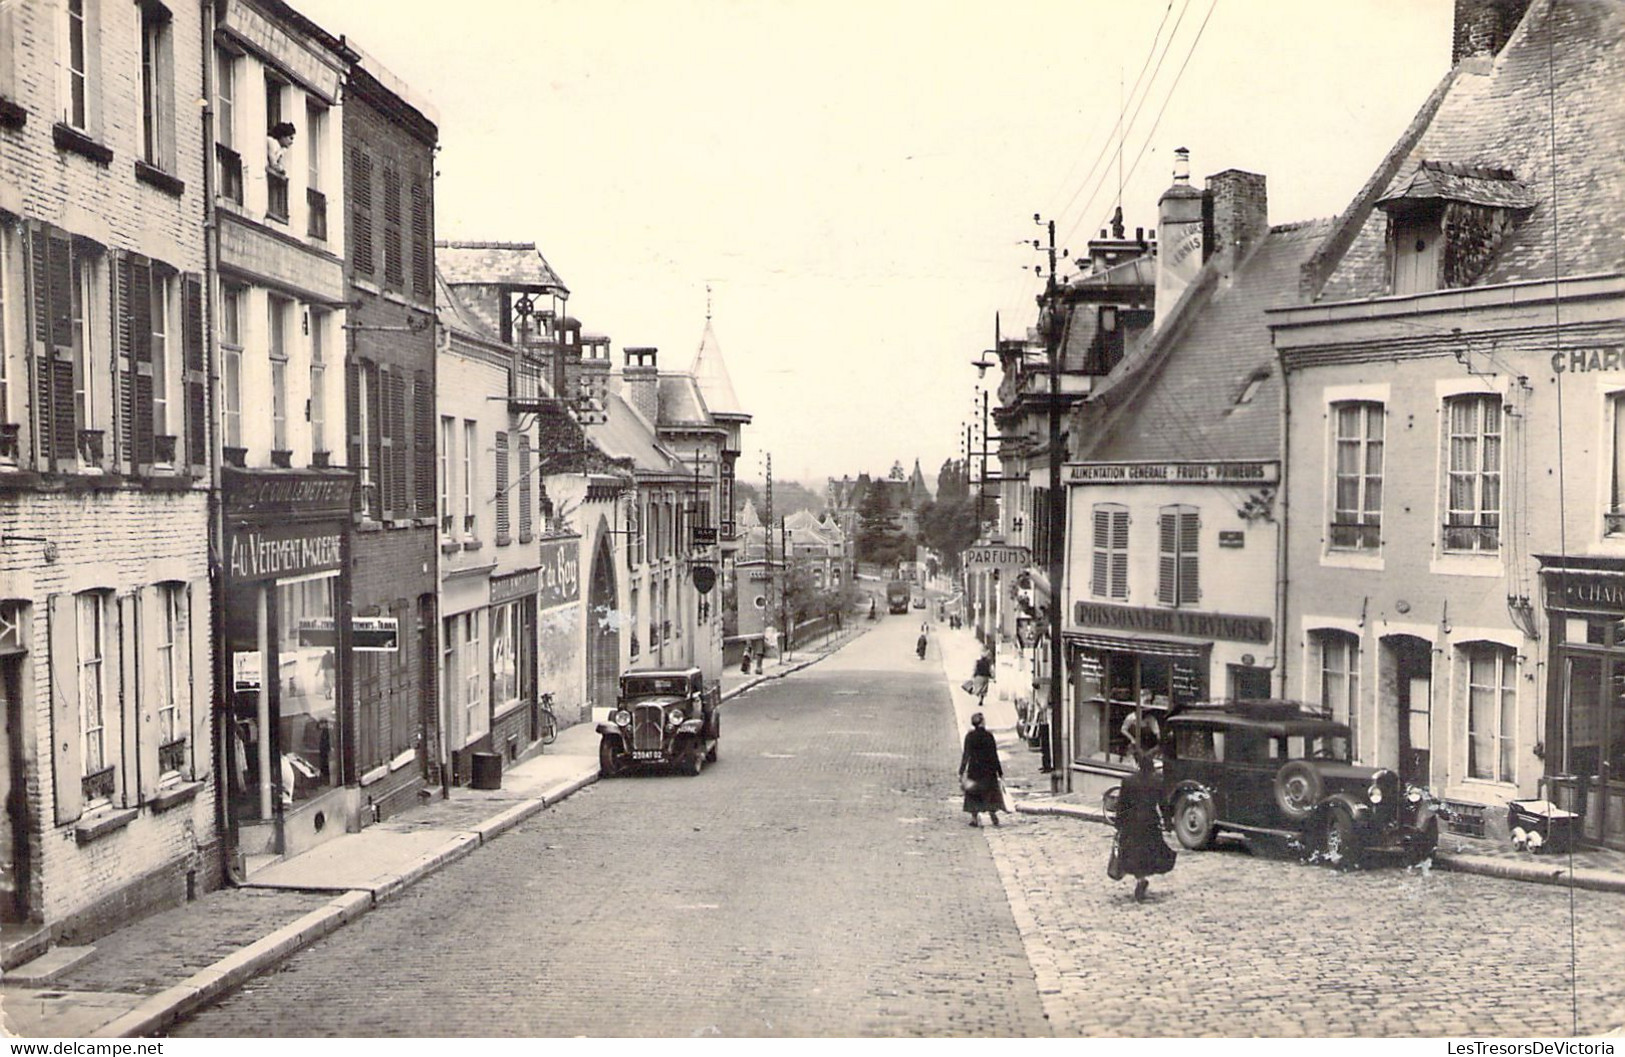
{"points": [[1183, 622], [272, 552], [1173, 473]]}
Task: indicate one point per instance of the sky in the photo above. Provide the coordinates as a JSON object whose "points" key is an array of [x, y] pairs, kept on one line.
{"points": [[854, 183]]}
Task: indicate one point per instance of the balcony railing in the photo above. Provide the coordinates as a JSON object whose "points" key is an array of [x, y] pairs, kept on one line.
{"points": [[316, 202], [1349, 535], [276, 195]]}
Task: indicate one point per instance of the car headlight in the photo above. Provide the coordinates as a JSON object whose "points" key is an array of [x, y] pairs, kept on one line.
{"points": [[1374, 794], [675, 717], [623, 718], [1413, 795]]}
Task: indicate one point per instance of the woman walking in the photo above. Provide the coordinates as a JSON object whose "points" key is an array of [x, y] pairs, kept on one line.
{"points": [[980, 771], [1140, 849], [982, 676]]}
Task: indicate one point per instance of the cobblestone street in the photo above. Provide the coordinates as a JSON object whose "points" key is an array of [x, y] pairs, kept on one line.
{"points": [[820, 880]]}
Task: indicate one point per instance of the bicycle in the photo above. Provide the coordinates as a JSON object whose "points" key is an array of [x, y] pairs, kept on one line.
{"points": [[547, 722]]}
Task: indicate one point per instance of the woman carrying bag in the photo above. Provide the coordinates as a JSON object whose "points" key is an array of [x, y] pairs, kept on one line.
{"points": [[1138, 847], [979, 773]]}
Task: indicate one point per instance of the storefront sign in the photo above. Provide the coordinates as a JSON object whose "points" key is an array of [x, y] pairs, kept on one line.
{"points": [[704, 535], [287, 493], [1174, 473], [367, 634], [559, 578], [270, 552], [508, 588], [1232, 538], [987, 557], [245, 670], [1593, 592], [1588, 360], [1183, 622]]}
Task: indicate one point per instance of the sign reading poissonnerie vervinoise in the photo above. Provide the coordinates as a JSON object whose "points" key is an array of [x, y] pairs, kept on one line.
{"points": [[1183, 622]]}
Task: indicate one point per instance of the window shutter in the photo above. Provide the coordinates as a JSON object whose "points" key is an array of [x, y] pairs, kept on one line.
{"points": [[502, 485], [422, 279], [1190, 533], [199, 678], [384, 439], [352, 416], [424, 440], [393, 273], [66, 748], [118, 290], [401, 453], [1099, 580], [1119, 554], [150, 602], [51, 272], [524, 487], [138, 308], [1167, 559], [374, 440], [123, 691], [361, 209], [195, 373]]}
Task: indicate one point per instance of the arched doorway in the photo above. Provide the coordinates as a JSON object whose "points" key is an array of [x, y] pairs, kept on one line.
{"points": [[603, 625]]}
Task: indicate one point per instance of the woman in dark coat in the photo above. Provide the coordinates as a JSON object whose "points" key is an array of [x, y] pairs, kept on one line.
{"points": [[1141, 851], [980, 771]]}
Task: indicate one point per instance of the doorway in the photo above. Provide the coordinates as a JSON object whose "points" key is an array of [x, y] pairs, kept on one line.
{"points": [[1405, 677], [14, 850], [603, 626]]}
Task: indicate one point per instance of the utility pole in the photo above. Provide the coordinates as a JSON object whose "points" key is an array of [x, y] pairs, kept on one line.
{"points": [[1054, 327]]}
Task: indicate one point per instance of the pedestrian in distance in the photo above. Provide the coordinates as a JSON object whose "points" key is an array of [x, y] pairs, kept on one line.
{"points": [[980, 772], [1139, 847], [982, 675], [919, 646]]}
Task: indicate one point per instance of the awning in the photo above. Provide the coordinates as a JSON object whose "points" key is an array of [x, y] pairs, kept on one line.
{"points": [[1129, 642]]}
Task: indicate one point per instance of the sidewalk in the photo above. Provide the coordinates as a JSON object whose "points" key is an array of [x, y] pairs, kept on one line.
{"points": [[144, 977]]}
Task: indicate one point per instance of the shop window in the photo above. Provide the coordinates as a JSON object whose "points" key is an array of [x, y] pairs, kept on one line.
{"points": [[504, 657], [1473, 465], [1178, 535], [1335, 660], [307, 709], [1492, 711], [1357, 476], [1109, 569]]}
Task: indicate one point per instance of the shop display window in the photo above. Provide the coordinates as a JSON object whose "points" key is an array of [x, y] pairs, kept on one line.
{"points": [[1127, 697], [307, 669]]}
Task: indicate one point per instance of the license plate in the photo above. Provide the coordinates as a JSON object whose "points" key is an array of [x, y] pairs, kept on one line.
{"points": [[648, 754]]}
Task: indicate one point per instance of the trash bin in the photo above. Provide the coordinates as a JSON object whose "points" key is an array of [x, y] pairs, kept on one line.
{"points": [[1555, 825], [486, 772]]}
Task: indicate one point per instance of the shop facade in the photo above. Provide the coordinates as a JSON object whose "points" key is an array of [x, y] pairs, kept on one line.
{"points": [[290, 740]]}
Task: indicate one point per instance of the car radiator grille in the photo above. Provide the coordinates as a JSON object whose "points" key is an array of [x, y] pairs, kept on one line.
{"points": [[647, 722]]}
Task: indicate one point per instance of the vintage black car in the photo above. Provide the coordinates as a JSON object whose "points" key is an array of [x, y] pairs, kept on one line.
{"points": [[662, 717], [1280, 769]]}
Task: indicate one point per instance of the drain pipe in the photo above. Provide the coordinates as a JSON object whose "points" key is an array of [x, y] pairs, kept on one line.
{"points": [[1282, 522]]}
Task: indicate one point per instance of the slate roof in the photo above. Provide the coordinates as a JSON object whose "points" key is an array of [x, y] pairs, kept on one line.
{"points": [[1498, 114], [712, 375], [455, 315], [681, 405], [1451, 182], [496, 264], [1180, 401], [624, 435]]}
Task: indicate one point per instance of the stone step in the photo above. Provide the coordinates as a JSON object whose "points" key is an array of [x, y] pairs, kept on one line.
{"points": [[22, 943], [48, 967]]}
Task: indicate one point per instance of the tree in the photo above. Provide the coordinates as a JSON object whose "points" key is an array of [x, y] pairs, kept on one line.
{"points": [[949, 526], [880, 541], [952, 481]]}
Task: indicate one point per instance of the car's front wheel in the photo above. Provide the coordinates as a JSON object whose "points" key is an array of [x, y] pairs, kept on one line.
{"points": [[1423, 849], [694, 761], [1193, 820], [608, 765], [1338, 843]]}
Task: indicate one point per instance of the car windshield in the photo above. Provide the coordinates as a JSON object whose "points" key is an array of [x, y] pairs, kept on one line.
{"points": [[647, 686]]}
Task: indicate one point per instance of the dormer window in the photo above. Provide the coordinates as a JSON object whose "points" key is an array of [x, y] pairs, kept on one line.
{"points": [[1446, 223]]}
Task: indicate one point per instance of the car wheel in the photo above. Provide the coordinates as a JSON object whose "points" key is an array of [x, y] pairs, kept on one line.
{"points": [[1297, 790], [608, 765], [1193, 820], [694, 761], [711, 753], [1423, 849], [1338, 844]]}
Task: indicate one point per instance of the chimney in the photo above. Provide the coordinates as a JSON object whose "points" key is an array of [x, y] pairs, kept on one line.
{"points": [[1179, 215], [1241, 216], [1483, 27], [640, 382]]}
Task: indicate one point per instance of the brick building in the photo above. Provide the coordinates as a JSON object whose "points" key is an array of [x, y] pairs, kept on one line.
{"points": [[105, 659], [388, 145]]}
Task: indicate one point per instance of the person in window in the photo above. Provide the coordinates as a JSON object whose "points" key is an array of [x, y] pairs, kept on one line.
{"points": [[277, 142], [980, 771], [1140, 847]]}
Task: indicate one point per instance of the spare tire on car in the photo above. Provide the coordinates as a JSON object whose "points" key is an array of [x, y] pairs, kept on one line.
{"points": [[1297, 790]]}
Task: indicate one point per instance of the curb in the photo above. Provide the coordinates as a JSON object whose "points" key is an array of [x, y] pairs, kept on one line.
{"points": [[1028, 807], [159, 1011], [794, 668]]}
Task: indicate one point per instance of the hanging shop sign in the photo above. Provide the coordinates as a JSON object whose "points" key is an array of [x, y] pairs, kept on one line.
{"points": [[1183, 622], [275, 551], [1174, 473], [704, 535], [990, 556], [705, 578], [559, 577]]}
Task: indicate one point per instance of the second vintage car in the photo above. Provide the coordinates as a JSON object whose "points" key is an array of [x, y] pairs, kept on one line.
{"points": [[665, 717], [1280, 769]]}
